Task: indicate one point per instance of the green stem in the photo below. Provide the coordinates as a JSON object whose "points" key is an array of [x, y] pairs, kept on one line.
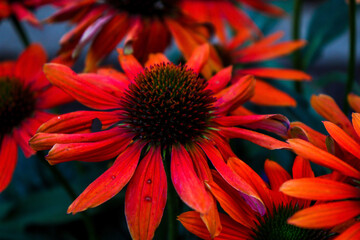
{"points": [[352, 52], [20, 30], [296, 27], [171, 202], [65, 184]]}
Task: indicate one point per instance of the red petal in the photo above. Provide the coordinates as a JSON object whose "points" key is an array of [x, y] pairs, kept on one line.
{"points": [[155, 59], [53, 97], [8, 158], [7, 68], [300, 130], [130, 65], [290, 74], [24, 14], [110, 182], [219, 81], [88, 91], [352, 233], [145, 197], [29, 64], [198, 58], [302, 168], [326, 215], [78, 122], [264, 7], [356, 122], [276, 174], [22, 137], [251, 197], [254, 137], [187, 184], [321, 157]]}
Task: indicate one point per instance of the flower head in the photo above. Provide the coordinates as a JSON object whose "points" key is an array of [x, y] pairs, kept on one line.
{"points": [[161, 114], [338, 191], [25, 94], [144, 26], [244, 223]]}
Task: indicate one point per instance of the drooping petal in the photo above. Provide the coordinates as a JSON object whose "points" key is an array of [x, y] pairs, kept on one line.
{"points": [[192, 222], [101, 150], [302, 168], [328, 109], [267, 95], [78, 122], [287, 74], [352, 233], [87, 92], [145, 197], [319, 189], [187, 184], [110, 182], [326, 215], [321, 157], [30, 63], [219, 81], [254, 137], [212, 219], [343, 139], [277, 175], [250, 195], [8, 159]]}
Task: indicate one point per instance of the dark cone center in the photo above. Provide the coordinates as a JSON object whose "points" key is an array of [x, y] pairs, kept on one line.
{"points": [[168, 104]]}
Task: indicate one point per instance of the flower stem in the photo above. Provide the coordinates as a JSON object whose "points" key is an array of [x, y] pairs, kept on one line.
{"points": [[20, 30], [171, 203], [296, 26], [352, 52], [65, 184]]}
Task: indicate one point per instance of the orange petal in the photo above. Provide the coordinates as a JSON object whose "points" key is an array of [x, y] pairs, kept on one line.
{"points": [[354, 101], [301, 168], [321, 157], [129, 64], [155, 59], [319, 189], [219, 81], [8, 159], [192, 222], [300, 130], [267, 95], [254, 137], [145, 197], [356, 122], [343, 139], [187, 184], [279, 73], [352, 233], [328, 109], [277, 175], [326, 215], [110, 182], [212, 219]]}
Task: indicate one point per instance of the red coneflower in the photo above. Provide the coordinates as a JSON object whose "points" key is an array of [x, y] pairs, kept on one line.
{"points": [[24, 95], [145, 26], [339, 191], [242, 52], [244, 223], [161, 114]]}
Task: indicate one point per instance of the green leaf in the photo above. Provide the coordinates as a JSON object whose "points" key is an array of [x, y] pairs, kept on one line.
{"points": [[328, 22]]}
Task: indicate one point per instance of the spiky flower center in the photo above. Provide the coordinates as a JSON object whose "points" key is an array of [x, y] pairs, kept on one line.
{"points": [[168, 104], [145, 7], [16, 104], [275, 227]]}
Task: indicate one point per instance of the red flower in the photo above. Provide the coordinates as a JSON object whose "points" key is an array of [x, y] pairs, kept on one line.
{"points": [[242, 52], [161, 114], [144, 26], [339, 190], [244, 223], [25, 94], [227, 11]]}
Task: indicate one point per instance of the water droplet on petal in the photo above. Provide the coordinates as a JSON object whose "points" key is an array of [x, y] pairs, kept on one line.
{"points": [[149, 181], [148, 199], [113, 177]]}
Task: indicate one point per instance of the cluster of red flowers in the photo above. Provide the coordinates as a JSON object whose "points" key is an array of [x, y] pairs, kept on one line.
{"points": [[162, 123]]}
